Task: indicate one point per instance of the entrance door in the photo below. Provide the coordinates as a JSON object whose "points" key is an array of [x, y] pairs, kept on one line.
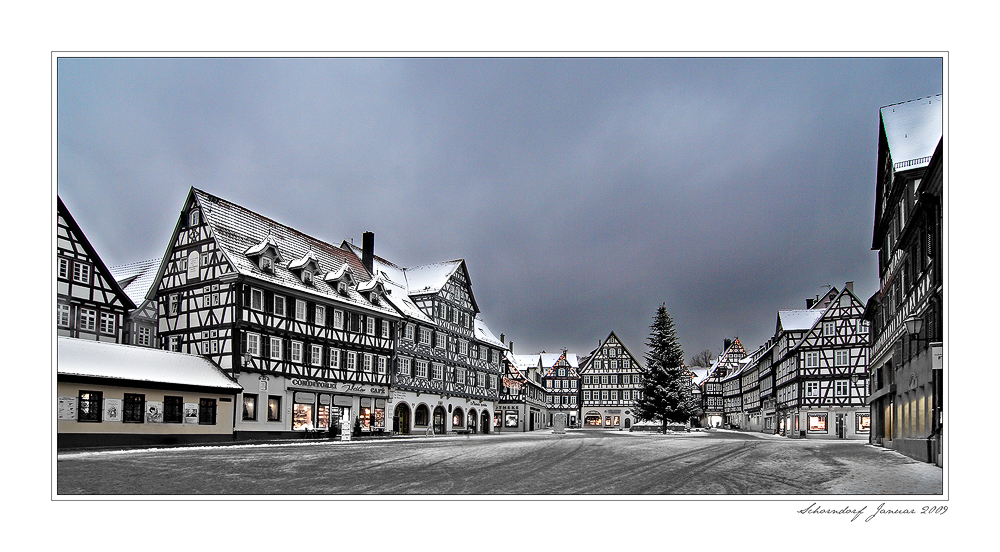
{"points": [[841, 426], [531, 421], [439, 422], [473, 420], [401, 419], [485, 422]]}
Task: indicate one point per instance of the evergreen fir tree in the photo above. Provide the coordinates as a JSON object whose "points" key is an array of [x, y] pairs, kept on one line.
{"points": [[666, 383]]}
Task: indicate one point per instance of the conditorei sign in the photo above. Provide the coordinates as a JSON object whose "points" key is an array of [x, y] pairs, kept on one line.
{"points": [[343, 387]]}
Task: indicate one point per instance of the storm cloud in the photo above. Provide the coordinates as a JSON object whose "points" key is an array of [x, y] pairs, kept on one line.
{"points": [[582, 192]]}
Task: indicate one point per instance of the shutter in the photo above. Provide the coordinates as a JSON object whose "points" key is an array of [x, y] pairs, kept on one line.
{"points": [[268, 302], [246, 296], [243, 342]]}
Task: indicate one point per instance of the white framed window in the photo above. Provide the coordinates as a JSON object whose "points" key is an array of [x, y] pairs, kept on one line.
{"points": [[300, 310], [460, 375], [296, 351], [425, 336], [612, 352], [256, 299], [562, 372], [463, 347], [436, 372], [279, 305], [319, 317], [368, 362], [482, 379], [276, 348], [403, 367], [861, 327], [342, 288], [81, 272], [107, 323], [812, 389], [840, 388], [604, 380], [604, 395], [442, 340], [144, 336], [812, 359], [614, 364], [422, 369], [586, 395], [408, 332], [338, 319], [380, 364], [215, 345], [842, 357], [174, 304], [266, 264], [370, 325], [307, 277], [385, 329], [572, 400], [88, 319], [627, 395], [253, 344], [351, 360], [829, 328], [194, 219], [334, 357], [316, 355], [64, 268], [62, 315], [175, 344]]}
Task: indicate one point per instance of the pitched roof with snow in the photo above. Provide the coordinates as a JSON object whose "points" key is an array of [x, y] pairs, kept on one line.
{"points": [[136, 278], [912, 130], [484, 334], [802, 319], [86, 358], [240, 232]]}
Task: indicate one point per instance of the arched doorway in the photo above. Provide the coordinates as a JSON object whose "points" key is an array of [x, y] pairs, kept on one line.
{"points": [[421, 416], [401, 419], [473, 420], [457, 418], [485, 422], [628, 423], [439, 420], [592, 419]]}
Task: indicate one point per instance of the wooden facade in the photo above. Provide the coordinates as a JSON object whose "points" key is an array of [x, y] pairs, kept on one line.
{"points": [[907, 363], [89, 302], [712, 389], [611, 383]]}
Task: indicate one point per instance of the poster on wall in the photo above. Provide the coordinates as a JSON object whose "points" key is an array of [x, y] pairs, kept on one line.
{"points": [[112, 410], [154, 412], [510, 419], [190, 413], [67, 408]]}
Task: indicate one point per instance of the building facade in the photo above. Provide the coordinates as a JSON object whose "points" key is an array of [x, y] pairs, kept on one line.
{"points": [[611, 383], [141, 325], [713, 410], [89, 302], [300, 324], [561, 378], [523, 405], [907, 311]]}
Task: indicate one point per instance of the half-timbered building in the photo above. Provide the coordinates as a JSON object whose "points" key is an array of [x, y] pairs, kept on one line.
{"points": [[611, 377], [89, 302], [136, 279], [906, 313], [712, 393], [820, 363], [522, 405], [561, 378], [732, 395], [301, 324], [448, 369]]}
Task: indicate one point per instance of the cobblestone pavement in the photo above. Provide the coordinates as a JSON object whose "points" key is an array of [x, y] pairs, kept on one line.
{"points": [[539, 463]]}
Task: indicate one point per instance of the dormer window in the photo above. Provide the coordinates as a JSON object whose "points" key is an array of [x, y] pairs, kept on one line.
{"points": [[375, 298], [266, 264], [265, 254], [342, 288], [194, 218], [307, 277], [305, 267]]}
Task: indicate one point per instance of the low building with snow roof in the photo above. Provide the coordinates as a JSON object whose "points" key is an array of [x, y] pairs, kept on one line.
{"points": [[121, 395], [449, 364]]}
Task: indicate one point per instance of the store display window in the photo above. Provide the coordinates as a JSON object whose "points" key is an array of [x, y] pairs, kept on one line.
{"points": [[817, 422], [863, 422]]}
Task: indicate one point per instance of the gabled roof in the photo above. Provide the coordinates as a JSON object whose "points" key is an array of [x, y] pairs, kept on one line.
{"points": [[99, 265], [796, 320], [240, 232], [912, 130], [588, 360], [136, 278], [484, 334], [96, 359], [835, 302]]}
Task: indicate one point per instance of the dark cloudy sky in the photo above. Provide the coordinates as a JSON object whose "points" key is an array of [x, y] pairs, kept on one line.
{"points": [[582, 192]]}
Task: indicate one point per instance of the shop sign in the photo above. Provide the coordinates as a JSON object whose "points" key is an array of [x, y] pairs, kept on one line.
{"points": [[614, 411], [477, 403], [305, 398], [937, 357], [341, 387], [341, 400]]}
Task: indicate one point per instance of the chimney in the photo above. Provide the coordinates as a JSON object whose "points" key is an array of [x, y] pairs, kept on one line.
{"points": [[849, 286], [511, 345], [501, 338], [809, 303], [368, 251], [726, 343]]}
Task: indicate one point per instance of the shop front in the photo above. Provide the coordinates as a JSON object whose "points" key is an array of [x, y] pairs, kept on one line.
{"points": [[608, 418], [423, 413]]}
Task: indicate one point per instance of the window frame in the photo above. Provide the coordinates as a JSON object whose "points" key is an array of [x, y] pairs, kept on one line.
{"points": [[64, 315], [252, 398], [95, 410], [316, 355], [81, 273], [256, 299], [274, 344], [274, 413], [301, 310], [129, 411], [208, 410], [295, 352], [319, 315], [88, 319], [279, 299], [173, 409], [811, 389]]}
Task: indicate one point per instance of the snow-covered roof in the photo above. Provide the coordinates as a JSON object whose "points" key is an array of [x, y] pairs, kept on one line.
{"points": [[430, 278], [136, 278], [484, 334], [912, 130], [82, 357], [240, 232], [802, 319], [549, 359]]}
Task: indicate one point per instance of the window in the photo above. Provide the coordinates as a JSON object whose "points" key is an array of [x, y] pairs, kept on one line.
{"points": [[307, 277], [436, 372], [829, 328], [460, 375], [319, 317], [253, 344], [316, 355], [420, 415], [812, 359], [81, 272], [134, 408], [381, 364], [385, 328], [174, 304], [89, 406], [144, 336], [812, 388], [256, 299], [296, 351], [351, 360], [108, 322], [194, 219], [342, 288], [338, 319], [300, 310], [370, 325], [88, 319], [206, 411], [842, 358], [266, 263], [425, 336], [403, 367], [279, 305], [586, 395], [64, 268], [273, 408], [173, 410], [275, 348], [422, 369], [442, 340], [250, 407], [62, 315], [175, 343], [817, 422], [408, 333], [841, 388], [334, 358], [605, 395], [368, 362]]}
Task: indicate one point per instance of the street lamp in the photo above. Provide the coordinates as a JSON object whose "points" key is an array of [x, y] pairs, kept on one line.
{"points": [[913, 326]]}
